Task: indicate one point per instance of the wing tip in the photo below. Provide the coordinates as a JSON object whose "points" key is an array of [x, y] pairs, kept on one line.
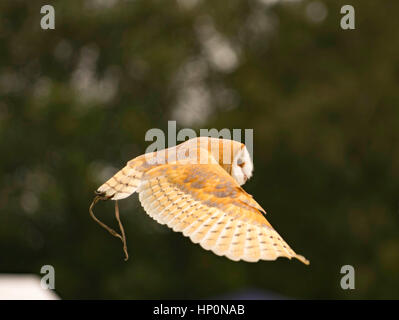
{"points": [[270, 258], [302, 259]]}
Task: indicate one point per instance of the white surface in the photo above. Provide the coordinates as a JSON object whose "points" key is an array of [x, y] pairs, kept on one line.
{"points": [[24, 287]]}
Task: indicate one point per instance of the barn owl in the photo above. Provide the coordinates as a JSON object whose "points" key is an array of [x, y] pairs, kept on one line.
{"points": [[195, 188]]}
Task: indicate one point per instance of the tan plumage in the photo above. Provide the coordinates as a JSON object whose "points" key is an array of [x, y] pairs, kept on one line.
{"points": [[194, 188]]}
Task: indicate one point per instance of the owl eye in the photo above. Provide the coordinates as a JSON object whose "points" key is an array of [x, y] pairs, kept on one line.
{"points": [[240, 163]]}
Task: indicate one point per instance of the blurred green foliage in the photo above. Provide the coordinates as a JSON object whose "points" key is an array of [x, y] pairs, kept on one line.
{"points": [[75, 103]]}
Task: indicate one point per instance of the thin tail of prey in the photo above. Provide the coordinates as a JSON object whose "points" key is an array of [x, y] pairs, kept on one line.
{"points": [[109, 229], [120, 186]]}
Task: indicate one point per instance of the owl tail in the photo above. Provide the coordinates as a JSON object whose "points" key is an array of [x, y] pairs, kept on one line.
{"points": [[109, 229], [122, 184]]}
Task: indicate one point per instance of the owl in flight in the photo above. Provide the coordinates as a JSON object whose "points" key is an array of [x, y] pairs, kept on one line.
{"points": [[195, 188]]}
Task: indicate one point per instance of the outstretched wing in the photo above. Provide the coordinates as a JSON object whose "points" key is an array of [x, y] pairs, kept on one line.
{"points": [[125, 181], [206, 204]]}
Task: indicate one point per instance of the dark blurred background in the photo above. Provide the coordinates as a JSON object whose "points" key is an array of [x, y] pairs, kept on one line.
{"points": [[76, 102]]}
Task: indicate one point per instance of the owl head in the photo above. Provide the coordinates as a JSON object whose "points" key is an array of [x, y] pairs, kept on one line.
{"points": [[231, 155], [242, 166]]}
